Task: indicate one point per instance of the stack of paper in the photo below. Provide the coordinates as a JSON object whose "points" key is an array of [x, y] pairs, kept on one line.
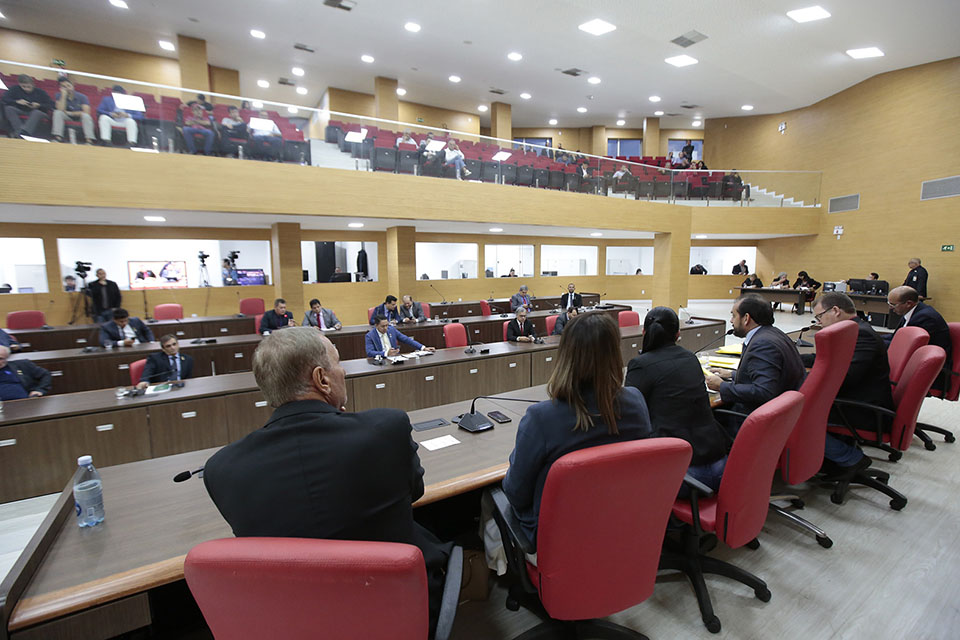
{"points": [[731, 349], [723, 363]]}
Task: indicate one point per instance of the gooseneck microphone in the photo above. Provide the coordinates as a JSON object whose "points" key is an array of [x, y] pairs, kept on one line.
{"points": [[186, 475], [800, 341], [474, 421], [710, 344], [443, 299]]}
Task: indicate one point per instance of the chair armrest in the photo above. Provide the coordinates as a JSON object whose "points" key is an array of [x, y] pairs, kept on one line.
{"points": [[696, 489], [451, 594], [507, 521], [878, 412], [696, 485], [732, 413]]}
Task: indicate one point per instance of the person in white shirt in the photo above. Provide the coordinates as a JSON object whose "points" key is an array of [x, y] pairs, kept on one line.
{"points": [[453, 156], [623, 171], [232, 128], [406, 138], [266, 143]]}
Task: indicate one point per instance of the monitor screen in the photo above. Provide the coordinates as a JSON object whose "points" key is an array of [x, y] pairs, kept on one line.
{"points": [[856, 285], [157, 274], [878, 287], [339, 277], [251, 276]]}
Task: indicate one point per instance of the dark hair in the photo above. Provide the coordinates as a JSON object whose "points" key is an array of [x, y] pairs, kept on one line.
{"points": [[120, 313], [660, 328], [377, 319], [314, 301], [279, 301], [836, 299], [119, 89], [24, 78], [589, 361], [876, 276], [803, 274], [165, 337], [63, 79], [233, 108], [200, 96], [69, 278], [759, 309], [390, 299]]}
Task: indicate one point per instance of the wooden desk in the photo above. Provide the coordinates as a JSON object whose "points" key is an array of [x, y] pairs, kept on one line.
{"points": [[877, 305], [796, 297]]}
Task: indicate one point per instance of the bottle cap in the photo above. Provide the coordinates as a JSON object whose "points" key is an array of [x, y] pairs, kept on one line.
{"points": [[83, 461]]}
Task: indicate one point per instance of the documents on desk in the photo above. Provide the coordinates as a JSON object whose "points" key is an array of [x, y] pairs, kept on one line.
{"points": [[731, 349], [158, 388], [439, 443], [723, 363]]}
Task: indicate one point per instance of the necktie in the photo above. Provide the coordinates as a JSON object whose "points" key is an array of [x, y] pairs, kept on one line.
{"points": [[385, 341], [320, 321], [175, 367]]}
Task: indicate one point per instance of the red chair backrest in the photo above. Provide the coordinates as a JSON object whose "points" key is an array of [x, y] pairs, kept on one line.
{"points": [[252, 306], [905, 341], [953, 388], [485, 307], [583, 499], [803, 454], [505, 323], [26, 320], [551, 324], [300, 589], [454, 335], [256, 322], [426, 310], [136, 371], [744, 496], [628, 318], [922, 369], [168, 311]]}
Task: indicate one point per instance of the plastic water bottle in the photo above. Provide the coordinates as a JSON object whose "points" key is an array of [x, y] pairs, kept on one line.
{"points": [[88, 494]]}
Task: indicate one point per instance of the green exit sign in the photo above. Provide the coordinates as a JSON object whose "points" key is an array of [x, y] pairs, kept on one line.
{"points": [[946, 247], [57, 62]]}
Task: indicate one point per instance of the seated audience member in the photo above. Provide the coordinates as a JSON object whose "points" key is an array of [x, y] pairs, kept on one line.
{"points": [[411, 311], [69, 284], [228, 274], [406, 138], [520, 299], [563, 319], [732, 183], [266, 144], [7, 340], [741, 268], [867, 380], [320, 317], [384, 339], [308, 472], [232, 128], [24, 98], [202, 101], [512, 273], [196, 121], [698, 270], [752, 281], [70, 105], [588, 406], [124, 330], [781, 281], [624, 170], [521, 329], [682, 162], [452, 156], [769, 365], [387, 309], [277, 318], [571, 298], [917, 277], [109, 116], [104, 297], [166, 366], [21, 378], [905, 302], [671, 381]]}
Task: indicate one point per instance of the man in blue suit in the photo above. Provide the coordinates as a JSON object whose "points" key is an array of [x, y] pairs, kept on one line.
{"points": [[7, 340], [168, 365], [124, 331], [388, 309], [383, 339], [905, 302]]}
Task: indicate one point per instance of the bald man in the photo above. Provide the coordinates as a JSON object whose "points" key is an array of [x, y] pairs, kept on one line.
{"points": [[905, 302]]}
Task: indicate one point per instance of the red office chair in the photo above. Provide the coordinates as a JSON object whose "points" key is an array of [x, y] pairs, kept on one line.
{"points": [[426, 310], [252, 306], [551, 324], [628, 318], [736, 512], [370, 314], [454, 335], [256, 322], [26, 320], [485, 308], [505, 323], [136, 371], [295, 588], [169, 311], [583, 500], [905, 341], [952, 391]]}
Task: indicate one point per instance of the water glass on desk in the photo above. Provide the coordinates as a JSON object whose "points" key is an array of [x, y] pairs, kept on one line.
{"points": [[120, 392]]}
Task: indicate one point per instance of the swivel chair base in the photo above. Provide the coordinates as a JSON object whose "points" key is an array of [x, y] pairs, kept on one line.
{"points": [[873, 478], [822, 538], [921, 432]]}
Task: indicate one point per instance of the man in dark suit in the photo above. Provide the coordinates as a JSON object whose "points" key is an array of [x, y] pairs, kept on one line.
{"points": [[168, 365], [917, 278], [104, 296], [21, 378], [384, 339], [521, 329], [769, 365], [320, 317], [317, 471], [563, 319], [277, 318], [387, 309], [410, 311], [521, 298], [7, 340], [124, 331], [741, 268], [905, 302], [571, 299]]}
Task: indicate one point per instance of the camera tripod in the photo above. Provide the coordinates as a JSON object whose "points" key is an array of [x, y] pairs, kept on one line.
{"points": [[83, 296]]}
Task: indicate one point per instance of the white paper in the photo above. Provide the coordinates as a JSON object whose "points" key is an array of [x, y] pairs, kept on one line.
{"points": [[422, 352], [439, 443]]}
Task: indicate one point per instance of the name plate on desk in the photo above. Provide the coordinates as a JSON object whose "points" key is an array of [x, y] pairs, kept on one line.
{"points": [[439, 443]]}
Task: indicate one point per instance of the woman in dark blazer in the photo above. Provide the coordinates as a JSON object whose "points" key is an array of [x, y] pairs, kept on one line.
{"points": [[671, 381], [804, 281]]}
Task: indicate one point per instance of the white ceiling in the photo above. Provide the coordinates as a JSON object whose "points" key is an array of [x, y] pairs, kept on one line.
{"points": [[754, 54]]}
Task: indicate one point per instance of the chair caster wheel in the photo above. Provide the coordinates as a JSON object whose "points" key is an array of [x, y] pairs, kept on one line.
{"points": [[949, 438], [513, 604], [824, 542], [798, 503], [753, 544], [713, 625], [836, 498], [763, 595], [929, 446], [896, 455], [896, 504]]}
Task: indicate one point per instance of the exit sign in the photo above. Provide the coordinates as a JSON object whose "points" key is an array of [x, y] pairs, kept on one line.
{"points": [[57, 62], [946, 247]]}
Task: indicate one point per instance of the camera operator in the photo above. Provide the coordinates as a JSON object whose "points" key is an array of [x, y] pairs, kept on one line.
{"points": [[228, 271], [104, 296]]}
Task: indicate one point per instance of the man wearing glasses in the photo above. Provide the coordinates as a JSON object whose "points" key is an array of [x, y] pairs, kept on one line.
{"points": [[905, 302]]}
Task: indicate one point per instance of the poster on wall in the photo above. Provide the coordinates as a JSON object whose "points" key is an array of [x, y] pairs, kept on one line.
{"points": [[157, 274]]}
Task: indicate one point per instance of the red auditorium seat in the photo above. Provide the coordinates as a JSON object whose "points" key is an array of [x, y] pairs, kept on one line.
{"points": [[168, 311], [426, 310], [628, 318], [551, 324], [454, 335], [485, 307], [26, 319], [252, 306], [136, 371]]}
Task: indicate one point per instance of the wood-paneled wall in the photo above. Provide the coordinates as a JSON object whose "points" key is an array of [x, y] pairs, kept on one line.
{"points": [[363, 104]]}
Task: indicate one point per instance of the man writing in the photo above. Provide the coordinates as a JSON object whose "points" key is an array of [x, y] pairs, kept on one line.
{"points": [[124, 331], [521, 329], [105, 297], [75, 106], [410, 311], [905, 302], [166, 366], [21, 378], [570, 299], [387, 309], [384, 339], [320, 317], [277, 318], [520, 299]]}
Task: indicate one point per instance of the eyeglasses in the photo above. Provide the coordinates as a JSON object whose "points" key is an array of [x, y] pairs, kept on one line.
{"points": [[893, 305], [820, 315]]}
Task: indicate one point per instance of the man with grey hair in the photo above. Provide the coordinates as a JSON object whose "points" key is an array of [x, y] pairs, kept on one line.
{"points": [[917, 277], [316, 470], [521, 299]]}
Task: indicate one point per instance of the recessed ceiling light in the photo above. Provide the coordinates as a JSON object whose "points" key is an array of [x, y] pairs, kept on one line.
{"points": [[525, 95], [366, 58], [620, 123], [658, 113], [597, 27], [166, 45], [401, 91], [654, 98], [263, 84], [596, 234], [297, 71], [581, 109], [495, 229], [302, 91], [516, 57], [256, 33], [696, 123], [355, 225], [809, 14], [868, 52], [257, 104], [412, 27], [292, 109], [552, 121], [154, 218], [119, 4], [2, 17], [593, 80], [481, 108], [747, 107], [681, 61], [454, 79], [700, 237]]}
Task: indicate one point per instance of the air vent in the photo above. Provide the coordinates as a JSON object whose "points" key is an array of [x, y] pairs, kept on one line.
{"points": [[940, 188], [689, 106], [499, 92], [844, 203], [573, 71], [688, 39], [673, 114], [346, 5], [304, 47], [285, 81]]}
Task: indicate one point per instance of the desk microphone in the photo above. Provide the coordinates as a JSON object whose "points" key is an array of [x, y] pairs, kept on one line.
{"points": [[800, 341], [474, 421], [469, 349], [443, 299], [713, 342], [186, 475], [490, 299]]}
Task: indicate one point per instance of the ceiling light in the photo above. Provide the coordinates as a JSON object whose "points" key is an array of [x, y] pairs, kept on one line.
{"points": [[355, 225], [257, 104], [366, 58], [596, 234], [581, 109], [654, 98], [2, 17], [302, 91], [412, 27], [256, 33], [620, 123], [516, 57], [597, 27], [297, 71], [401, 91], [868, 52], [700, 237], [525, 95], [454, 79], [696, 123], [552, 121], [658, 113], [593, 80], [154, 218], [263, 84], [481, 108], [166, 45], [747, 107], [119, 4], [292, 109], [809, 14], [495, 229], [681, 61]]}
